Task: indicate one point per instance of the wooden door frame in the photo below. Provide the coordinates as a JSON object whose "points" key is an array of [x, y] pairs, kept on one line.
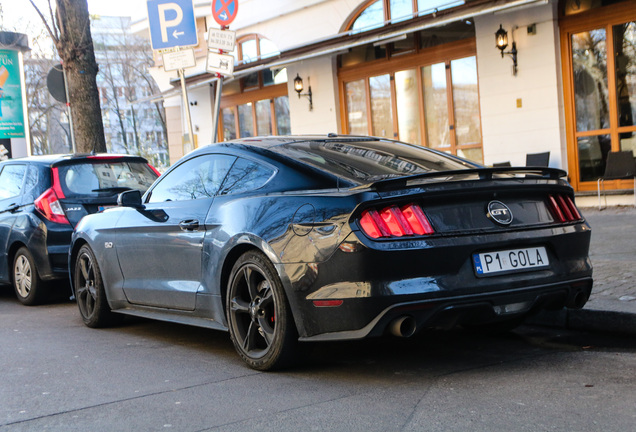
{"points": [[603, 17]]}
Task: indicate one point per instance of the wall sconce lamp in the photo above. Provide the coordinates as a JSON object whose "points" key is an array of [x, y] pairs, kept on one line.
{"points": [[298, 86], [501, 38]]}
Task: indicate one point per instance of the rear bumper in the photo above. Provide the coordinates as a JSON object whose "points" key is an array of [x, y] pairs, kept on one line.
{"points": [[434, 281], [470, 309]]}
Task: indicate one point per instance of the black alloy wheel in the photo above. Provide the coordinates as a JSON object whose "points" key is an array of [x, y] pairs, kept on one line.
{"points": [[89, 291], [28, 286], [259, 318]]}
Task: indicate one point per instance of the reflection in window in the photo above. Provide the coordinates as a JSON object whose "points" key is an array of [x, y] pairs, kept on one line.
{"points": [[371, 17], [592, 156], [263, 117], [246, 126], [381, 118], [11, 180], [466, 101], [357, 107], [246, 176], [401, 10], [408, 106], [589, 61], [436, 106], [625, 60], [229, 124], [196, 178], [281, 110]]}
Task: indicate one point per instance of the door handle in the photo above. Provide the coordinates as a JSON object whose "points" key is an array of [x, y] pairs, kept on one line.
{"points": [[13, 207], [189, 225]]}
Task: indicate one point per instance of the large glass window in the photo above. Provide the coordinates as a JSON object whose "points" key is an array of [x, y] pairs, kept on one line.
{"points": [[376, 13], [408, 106], [246, 121], [589, 60], [381, 112], [357, 107], [436, 105]]}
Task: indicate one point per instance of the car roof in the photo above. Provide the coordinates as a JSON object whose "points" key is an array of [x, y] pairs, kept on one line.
{"points": [[355, 159], [54, 159]]}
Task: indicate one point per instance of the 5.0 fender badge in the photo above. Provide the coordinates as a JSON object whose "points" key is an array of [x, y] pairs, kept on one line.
{"points": [[108, 245], [499, 213]]}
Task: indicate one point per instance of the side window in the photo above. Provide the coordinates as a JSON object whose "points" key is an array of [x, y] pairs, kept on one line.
{"points": [[197, 178], [11, 179], [246, 176]]}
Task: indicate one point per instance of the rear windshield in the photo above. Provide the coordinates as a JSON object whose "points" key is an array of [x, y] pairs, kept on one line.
{"points": [[105, 178], [367, 161]]}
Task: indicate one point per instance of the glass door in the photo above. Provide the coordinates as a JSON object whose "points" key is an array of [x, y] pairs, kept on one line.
{"points": [[600, 96]]}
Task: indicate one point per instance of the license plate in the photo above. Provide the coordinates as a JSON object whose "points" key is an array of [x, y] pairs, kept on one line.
{"points": [[511, 260]]}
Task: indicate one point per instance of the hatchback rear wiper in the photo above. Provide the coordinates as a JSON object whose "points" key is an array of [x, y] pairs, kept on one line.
{"points": [[112, 189]]}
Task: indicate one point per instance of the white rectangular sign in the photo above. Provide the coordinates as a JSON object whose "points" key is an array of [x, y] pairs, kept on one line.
{"points": [[220, 63], [179, 60], [221, 39]]}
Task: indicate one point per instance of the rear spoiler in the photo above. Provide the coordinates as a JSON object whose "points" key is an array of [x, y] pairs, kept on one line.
{"points": [[471, 174]]}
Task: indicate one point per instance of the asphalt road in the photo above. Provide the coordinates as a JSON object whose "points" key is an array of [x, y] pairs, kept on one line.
{"points": [[58, 375]]}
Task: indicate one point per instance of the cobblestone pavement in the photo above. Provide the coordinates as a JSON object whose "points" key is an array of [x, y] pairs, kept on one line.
{"points": [[613, 254]]}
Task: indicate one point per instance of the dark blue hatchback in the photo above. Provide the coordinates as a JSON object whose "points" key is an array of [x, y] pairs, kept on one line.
{"points": [[42, 198]]}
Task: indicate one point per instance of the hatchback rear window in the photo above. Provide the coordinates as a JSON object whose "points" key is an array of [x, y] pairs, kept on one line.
{"points": [[93, 178]]}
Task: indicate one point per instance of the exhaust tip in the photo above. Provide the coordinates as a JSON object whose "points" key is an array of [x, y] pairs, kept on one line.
{"points": [[577, 300], [403, 326]]}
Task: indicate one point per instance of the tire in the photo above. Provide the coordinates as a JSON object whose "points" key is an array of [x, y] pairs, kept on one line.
{"points": [[89, 291], [28, 286], [259, 318]]}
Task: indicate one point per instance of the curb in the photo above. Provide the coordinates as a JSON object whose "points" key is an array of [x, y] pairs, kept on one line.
{"points": [[587, 319]]}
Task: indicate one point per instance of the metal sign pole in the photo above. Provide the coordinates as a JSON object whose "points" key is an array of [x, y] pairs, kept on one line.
{"points": [[70, 115], [217, 107], [186, 103]]}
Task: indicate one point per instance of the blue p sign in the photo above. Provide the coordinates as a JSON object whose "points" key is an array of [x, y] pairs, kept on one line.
{"points": [[172, 23]]}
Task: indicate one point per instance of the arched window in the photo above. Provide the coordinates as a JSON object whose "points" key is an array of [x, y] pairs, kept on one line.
{"points": [[254, 47], [375, 13]]}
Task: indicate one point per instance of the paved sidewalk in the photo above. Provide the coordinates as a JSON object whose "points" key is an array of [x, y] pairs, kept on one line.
{"points": [[612, 306]]}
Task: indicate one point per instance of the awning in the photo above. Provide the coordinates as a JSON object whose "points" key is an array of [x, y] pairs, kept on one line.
{"points": [[343, 42]]}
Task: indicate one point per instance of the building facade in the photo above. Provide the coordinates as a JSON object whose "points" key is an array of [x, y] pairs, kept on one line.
{"points": [[426, 72]]}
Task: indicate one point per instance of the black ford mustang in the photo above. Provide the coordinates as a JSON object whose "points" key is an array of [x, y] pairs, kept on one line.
{"points": [[288, 239]]}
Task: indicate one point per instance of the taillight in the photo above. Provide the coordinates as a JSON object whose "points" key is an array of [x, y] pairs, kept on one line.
{"points": [[49, 202], [394, 221], [563, 208], [49, 205]]}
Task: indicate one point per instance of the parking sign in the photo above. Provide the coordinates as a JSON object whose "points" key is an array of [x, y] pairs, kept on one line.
{"points": [[172, 24]]}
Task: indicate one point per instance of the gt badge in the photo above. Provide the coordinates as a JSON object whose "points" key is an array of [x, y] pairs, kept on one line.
{"points": [[499, 213]]}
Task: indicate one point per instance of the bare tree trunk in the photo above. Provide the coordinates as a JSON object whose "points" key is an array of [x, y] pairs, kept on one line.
{"points": [[75, 47]]}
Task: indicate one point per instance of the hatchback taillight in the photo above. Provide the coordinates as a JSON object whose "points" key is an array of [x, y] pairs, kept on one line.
{"points": [[563, 208], [394, 221], [49, 202]]}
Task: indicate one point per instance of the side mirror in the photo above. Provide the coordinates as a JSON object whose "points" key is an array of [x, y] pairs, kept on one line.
{"points": [[131, 198]]}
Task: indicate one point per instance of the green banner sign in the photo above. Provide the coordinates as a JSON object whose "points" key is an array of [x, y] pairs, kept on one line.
{"points": [[11, 110]]}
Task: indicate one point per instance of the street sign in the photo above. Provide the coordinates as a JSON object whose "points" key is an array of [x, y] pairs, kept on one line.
{"points": [[179, 60], [172, 23], [221, 39], [224, 11], [220, 63]]}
